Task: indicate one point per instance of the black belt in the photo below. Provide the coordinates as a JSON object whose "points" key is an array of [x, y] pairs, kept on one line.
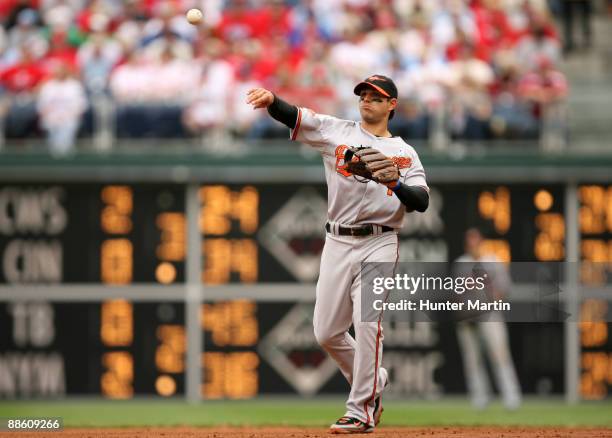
{"points": [[363, 230]]}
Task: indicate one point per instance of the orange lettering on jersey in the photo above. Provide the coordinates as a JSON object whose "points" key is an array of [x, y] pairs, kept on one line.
{"points": [[341, 168], [402, 162]]}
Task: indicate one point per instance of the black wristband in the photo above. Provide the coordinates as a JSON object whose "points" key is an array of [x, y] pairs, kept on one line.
{"points": [[413, 197], [283, 112]]}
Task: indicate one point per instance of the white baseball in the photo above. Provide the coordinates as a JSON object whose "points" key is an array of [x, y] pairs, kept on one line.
{"points": [[194, 16]]}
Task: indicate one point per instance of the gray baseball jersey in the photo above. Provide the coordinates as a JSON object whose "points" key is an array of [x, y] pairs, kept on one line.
{"points": [[349, 202]]}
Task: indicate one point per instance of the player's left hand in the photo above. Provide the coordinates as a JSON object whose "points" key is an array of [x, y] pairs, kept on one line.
{"points": [[372, 164], [388, 175]]}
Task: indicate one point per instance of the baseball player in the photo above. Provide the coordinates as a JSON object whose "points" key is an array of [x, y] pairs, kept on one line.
{"points": [[492, 332], [373, 178]]}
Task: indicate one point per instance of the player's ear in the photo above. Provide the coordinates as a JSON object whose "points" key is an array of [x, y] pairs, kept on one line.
{"points": [[392, 105]]}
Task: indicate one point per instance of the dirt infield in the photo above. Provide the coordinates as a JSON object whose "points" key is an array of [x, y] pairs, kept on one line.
{"points": [[294, 432]]}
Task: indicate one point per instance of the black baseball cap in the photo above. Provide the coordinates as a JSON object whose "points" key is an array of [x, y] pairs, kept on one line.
{"points": [[383, 84]]}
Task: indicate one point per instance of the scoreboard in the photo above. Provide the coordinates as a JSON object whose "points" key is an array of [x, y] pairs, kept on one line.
{"points": [[111, 234], [125, 234], [595, 220], [257, 234], [120, 349]]}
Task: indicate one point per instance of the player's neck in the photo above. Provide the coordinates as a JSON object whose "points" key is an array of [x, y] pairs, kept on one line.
{"points": [[378, 129]]}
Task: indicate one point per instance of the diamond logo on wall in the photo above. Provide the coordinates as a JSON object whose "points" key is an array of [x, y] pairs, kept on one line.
{"points": [[295, 235], [292, 350]]}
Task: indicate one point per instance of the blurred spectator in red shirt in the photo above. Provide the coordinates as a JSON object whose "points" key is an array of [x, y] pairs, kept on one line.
{"points": [[317, 77], [455, 50], [272, 55], [24, 76], [444, 52], [274, 20], [60, 52], [493, 28], [240, 22], [99, 15], [543, 86]]}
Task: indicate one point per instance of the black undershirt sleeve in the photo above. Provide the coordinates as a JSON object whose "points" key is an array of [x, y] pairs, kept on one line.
{"points": [[283, 112], [413, 197]]}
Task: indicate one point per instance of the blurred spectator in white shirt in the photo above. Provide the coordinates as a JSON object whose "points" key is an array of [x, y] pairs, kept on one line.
{"points": [[353, 56], [130, 83], [210, 106], [420, 43], [168, 80], [447, 24], [24, 33], [540, 41], [60, 14], [3, 44], [471, 108], [72, 4], [61, 104], [25, 27], [174, 78], [242, 116], [129, 32], [420, 10], [412, 43]]}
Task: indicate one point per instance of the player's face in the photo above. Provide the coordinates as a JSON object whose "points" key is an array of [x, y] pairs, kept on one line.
{"points": [[374, 107]]}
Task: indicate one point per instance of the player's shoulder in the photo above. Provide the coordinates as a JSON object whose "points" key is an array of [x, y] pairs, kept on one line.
{"points": [[402, 150], [308, 112], [328, 119], [406, 148]]}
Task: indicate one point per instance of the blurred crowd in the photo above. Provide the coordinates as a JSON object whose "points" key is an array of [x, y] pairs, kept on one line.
{"points": [[489, 67]]}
